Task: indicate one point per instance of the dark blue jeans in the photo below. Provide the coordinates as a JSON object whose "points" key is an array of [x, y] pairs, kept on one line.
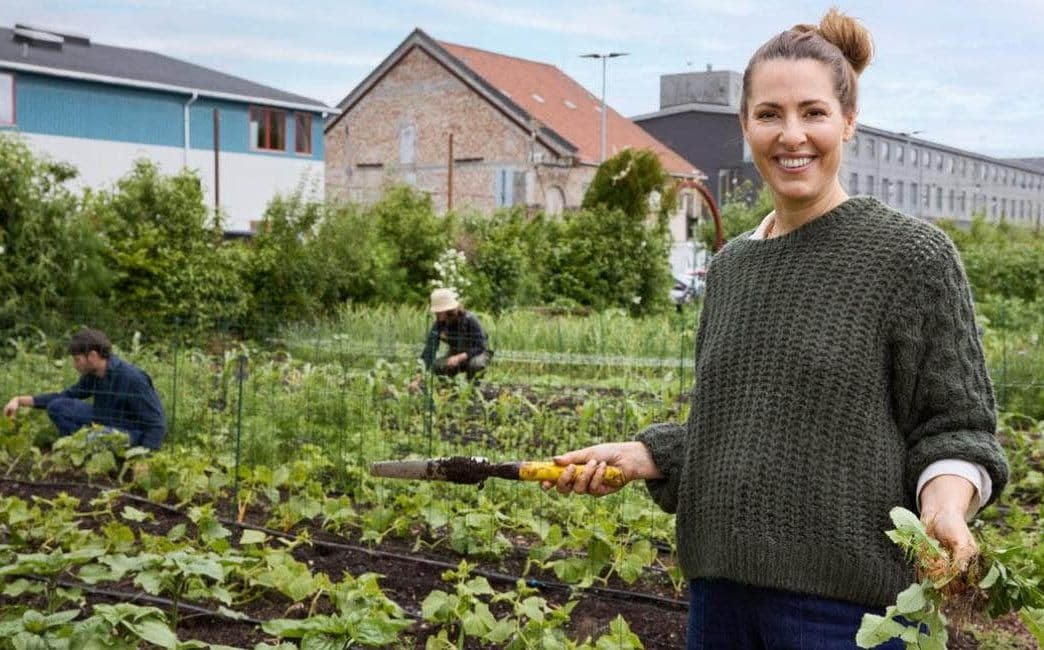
{"points": [[70, 415], [724, 614]]}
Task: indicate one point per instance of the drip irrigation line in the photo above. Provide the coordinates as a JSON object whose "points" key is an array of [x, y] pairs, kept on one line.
{"points": [[549, 585], [132, 596]]}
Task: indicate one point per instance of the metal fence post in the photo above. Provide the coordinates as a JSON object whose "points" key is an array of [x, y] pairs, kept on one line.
{"points": [[174, 393], [240, 375]]}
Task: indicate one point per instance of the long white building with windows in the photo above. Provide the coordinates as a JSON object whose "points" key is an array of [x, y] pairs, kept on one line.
{"points": [[933, 181], [698, 119]]}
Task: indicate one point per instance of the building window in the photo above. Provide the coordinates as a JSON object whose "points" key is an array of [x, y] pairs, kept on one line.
{"points": [[952, 194], [268, 129], [913, 194], [938, 198], [869, 185], [899, 151], [913, 156], [964, 198], [899, 198], [509, 187], [886, 190], [7, 99], [855, 145], [407, 140], [950, 164], [853, 183], [303, 133], [886, 150], [871, 148]]}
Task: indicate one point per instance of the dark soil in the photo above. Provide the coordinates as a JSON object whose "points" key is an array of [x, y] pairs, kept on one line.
{"points": [[651, 607], [652, 610]]}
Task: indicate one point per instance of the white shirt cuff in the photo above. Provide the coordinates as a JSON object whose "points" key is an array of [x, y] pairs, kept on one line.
{"points": [[974, 473]]}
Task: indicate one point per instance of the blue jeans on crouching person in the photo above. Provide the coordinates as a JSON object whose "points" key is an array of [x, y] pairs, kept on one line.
{"points": [[69, 415], [728, 615]]}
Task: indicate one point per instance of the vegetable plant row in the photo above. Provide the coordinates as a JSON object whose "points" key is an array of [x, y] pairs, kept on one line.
{"points": [[291, 543]]}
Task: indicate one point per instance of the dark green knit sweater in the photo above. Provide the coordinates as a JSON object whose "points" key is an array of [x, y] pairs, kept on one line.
{"points": [[833, 364]]}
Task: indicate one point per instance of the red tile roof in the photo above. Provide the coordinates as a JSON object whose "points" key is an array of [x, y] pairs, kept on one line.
{"points": [[563, 105]]}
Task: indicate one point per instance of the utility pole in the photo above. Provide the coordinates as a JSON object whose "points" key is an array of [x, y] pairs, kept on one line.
{"points": [[603, 57]]}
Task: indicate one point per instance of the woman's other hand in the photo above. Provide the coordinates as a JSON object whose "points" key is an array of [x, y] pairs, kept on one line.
{"points": [[585, 468], [945, 503]]}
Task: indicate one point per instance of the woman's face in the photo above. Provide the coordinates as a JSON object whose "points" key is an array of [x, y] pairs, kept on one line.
{"points": [[796, 130]]}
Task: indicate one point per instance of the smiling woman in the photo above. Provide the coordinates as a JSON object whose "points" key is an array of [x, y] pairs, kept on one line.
{"points": [[839, 373]]}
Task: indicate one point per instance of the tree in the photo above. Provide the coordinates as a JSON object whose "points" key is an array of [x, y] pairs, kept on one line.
{"points": [[635, 182]]}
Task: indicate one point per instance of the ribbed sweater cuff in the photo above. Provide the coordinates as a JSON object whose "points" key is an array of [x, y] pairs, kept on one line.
{"points": [[666, 444]]}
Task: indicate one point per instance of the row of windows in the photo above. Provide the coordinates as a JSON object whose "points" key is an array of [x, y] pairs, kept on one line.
{"points": [[913, 156], [927, 197], [267, 125]]}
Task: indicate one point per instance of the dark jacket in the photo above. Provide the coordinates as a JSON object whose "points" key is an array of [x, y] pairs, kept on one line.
{"points": [[463, 335], [124, 399]]}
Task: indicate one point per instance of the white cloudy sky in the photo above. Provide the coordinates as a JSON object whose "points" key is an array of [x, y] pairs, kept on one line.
{"points": [[968, 73]]}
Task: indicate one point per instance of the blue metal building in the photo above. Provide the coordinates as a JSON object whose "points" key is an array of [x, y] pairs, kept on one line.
{"points": [[101, 107]]}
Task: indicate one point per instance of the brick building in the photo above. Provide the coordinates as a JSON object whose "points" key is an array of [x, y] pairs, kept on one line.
{"points": [[518, 132]]}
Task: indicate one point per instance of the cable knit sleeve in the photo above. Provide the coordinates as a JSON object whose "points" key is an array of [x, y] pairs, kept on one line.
{"points": [[942, 395], [666, 443]]}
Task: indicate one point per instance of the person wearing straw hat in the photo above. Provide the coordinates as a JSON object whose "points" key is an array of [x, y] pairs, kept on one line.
{"points": [[461, 331]]}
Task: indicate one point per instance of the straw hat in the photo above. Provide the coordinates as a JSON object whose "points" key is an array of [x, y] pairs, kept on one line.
{"points": [[444, 300]]}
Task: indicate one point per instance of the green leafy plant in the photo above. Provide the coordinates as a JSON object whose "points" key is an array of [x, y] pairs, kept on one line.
{"points": [[918, 617], [364, 616], [36, 630], [123, 626]]}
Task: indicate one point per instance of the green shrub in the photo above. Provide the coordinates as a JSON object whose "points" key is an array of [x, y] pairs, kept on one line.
{"points": [[605, 258], [1001, 260], [50, 267], [415, 237], [506, 260], [166, 250], [282, 274], [352, 260]]}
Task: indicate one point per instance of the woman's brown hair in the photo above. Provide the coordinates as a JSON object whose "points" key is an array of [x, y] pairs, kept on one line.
{"points": [[839, 41]]}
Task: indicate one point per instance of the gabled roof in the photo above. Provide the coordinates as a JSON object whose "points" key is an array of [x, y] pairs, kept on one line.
{"points": [[530, 92], [72, 56]]}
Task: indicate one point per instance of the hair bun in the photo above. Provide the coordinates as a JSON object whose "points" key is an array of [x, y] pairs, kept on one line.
{"points": [[849, 36]]}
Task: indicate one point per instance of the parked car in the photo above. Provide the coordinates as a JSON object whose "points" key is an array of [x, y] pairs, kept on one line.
{"points": [[688, 285]]}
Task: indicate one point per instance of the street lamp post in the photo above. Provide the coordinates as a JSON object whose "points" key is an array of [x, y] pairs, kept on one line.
{"points": [[603, 57]]}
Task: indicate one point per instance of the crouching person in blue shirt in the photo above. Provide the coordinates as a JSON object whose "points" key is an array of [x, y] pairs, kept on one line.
{"points": [[124, 397]]}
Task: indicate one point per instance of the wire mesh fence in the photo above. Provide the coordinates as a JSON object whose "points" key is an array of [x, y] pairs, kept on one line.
{"points": [[357, 389]]}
